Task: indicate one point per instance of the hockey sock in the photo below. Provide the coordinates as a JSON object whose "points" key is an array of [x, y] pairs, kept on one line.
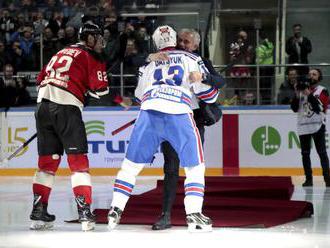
{"points": [[194, 188], [44, 178], [125, 182], [82, 186], [42, 185]]}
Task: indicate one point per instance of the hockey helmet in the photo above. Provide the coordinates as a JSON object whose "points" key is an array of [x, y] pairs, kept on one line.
{"points": [[89, 28], [164, 36]]}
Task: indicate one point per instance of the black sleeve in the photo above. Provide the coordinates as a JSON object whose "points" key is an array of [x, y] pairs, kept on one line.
{"points": [[122, 46], [294, 104], [307, 45], [214, 78], [315, 103], [289, 47], [117, 54]]}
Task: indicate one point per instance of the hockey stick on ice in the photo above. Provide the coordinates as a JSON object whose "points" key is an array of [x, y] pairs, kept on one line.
{"points": [[11, 156]]}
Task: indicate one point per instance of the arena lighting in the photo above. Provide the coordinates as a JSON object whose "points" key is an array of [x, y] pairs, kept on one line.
{"points": [[142, 236]]}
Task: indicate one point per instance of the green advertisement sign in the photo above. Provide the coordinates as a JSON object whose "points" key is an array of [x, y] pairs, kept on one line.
{"points": [[266, 140]]}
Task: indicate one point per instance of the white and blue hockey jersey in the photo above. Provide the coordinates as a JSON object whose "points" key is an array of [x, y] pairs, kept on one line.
{"points": [[165, 86]]}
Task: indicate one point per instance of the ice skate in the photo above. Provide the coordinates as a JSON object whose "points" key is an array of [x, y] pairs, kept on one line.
{"points": [[41, 219], [197, 222], [86, 217], [114, 217]]}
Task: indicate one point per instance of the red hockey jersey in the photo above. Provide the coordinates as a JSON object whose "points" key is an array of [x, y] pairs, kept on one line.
{"points": [[71, 74]]}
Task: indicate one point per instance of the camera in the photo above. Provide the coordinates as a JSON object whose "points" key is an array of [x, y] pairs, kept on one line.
{"points": [[302, 85]]}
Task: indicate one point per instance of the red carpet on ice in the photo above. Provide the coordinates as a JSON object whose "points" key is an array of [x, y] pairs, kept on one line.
{"points": [[229, 202]]}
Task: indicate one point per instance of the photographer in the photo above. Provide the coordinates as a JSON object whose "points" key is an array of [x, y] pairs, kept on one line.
{"points": [[311, 101]]}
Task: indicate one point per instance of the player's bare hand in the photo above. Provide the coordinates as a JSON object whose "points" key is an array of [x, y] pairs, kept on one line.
{"points": [[161, 56], [195, 77], [126, 103]]}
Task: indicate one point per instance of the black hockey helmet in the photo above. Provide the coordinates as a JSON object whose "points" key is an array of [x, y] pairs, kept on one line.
{"points": [[89, 28]]}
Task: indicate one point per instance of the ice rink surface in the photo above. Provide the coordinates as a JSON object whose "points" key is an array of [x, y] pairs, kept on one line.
{"points": [[16, 204]]}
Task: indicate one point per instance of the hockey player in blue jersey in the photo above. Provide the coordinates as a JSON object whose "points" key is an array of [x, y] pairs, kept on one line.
{"points": [[166, 91]]}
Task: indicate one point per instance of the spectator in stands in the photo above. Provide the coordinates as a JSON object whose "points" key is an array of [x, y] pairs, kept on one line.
{"points": [[149, 22], [3, 54], [115, 44], [143, 40], [287, 88], [12, 7], [71, 36], [39, 25], [57, 21], [7, 26], [94, 14], [15, 54], [241, 52], [265, 51], [106, 35], [111, 23], [51, 45], [20, 22], [67, 8], [79, 10], [27, 7], [298, 47], [8, 91], [249, 98], [130, 30], [22, 94], [264, 57], [61, 41], [29, 50], [132, 61], [51, 7]]}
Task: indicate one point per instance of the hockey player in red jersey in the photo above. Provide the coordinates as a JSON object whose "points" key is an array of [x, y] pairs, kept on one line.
{"points": [[69, 76]]}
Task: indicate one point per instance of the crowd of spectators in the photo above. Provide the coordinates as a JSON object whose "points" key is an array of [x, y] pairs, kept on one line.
{"points": [[26, 26], [13, 90], [243, 78]]}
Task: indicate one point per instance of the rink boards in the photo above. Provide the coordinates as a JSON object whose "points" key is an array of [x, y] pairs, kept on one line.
{"points": [[247, 141]]}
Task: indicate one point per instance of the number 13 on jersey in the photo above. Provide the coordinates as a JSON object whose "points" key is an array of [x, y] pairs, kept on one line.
{"points": [[173, 76]]}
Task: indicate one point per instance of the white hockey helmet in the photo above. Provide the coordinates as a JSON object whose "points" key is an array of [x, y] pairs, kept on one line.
{"points": [[164, 36]]}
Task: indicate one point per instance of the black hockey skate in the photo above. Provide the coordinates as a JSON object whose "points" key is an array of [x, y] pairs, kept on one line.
{"points": [[114, 216], [197, 222], [86, 217], [41, 219]]}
